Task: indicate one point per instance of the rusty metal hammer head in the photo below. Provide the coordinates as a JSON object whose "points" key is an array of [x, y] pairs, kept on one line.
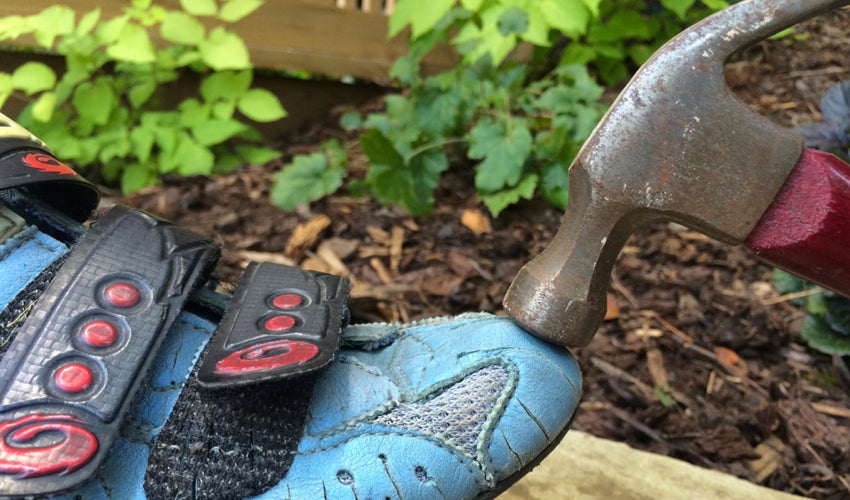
{"points": [[675, 145]]}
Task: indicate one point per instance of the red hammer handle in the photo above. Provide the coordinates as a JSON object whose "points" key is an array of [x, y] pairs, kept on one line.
{"points": [[806, 229]]}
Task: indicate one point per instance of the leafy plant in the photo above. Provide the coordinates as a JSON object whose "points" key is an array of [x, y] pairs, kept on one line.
{"points": [[827, 326], [108, 109], [833, 133], [519, 121]]}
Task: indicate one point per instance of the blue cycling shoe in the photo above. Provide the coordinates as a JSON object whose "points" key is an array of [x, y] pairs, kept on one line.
{"points": [[124, 373]]}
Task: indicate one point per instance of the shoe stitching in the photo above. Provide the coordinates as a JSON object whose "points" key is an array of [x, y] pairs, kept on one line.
{"points": [[485, 437], [456, 454]]}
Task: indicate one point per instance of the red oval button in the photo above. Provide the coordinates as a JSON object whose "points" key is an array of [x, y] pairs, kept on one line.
{"points": [[287, 301], [99, 333], [74, 377], [279, 323], [122, 295]]}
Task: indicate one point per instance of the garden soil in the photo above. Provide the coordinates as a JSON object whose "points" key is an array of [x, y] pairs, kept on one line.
{"points": [[700, 357]]}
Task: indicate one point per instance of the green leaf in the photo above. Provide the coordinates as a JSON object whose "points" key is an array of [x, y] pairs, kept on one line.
{"points": [[235, 10], [786, 282], [212, 132], [256, 155], [556, 184], [187, 158], [12, 27], [223, 109], [351, 121], [504, 153], [88, 22], [421, 16], [381, 150], [94, 101], [472, 5], [109, 31], [42, 109], [142, 141], [260, 105], [135, 177], [679, 7], [193, 112], [498, 201], [570, 17], [513, 20], [309, 177], [133, 45], [223, 49], [227, 85], [140, 93], [817, 333], [664, 396], [5, 87], [199, 7], [181, 28], [57, 20], [622, 25], [33, 77]]}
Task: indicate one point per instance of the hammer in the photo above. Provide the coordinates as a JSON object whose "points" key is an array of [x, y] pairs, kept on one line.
{"points": [[677, 145]]}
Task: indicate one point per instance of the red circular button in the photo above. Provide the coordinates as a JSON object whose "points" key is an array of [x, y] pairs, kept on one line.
{"points": [[280, 323], [74, 377], [122, 295], [99, 333], [287, 301]]}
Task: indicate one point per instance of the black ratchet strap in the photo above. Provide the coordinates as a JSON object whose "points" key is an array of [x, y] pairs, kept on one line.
{"points": [[73, 367]]}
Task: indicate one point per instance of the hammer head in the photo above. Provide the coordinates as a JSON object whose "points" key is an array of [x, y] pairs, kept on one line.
{"points": [[675, 145]]}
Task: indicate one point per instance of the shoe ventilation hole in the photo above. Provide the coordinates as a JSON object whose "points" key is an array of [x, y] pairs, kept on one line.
{"points": [[382, 458], [345, 477], [421, 473]]}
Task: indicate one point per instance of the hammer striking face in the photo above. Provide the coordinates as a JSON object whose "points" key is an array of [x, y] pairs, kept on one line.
{"points": [[675, 145]]}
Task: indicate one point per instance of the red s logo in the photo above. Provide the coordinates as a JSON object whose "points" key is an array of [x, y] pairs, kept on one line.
{"points": [[47, 163], [75, 447], [267, 356]]}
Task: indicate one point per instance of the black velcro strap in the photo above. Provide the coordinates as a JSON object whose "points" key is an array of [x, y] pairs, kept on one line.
{"points": [[73, 367], [282, 321]]}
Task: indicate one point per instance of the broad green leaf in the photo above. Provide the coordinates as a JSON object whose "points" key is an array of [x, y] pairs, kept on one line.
{"points": [[381, 150], [351, 121], [133, 45], [234, 10], [181, 28], [309, 177], [5, 87], [256, 155], [94, 101], [223, 109], [212, 132], [413, 184], [538, 27], [786, 283], [223, 49], [135, 177], [260, 105], [33, 77], [513, 20], [140, 93], [142, 4], [199, 7], [570, 17], [57, 20], [88, 22], [816, 304], [142, 141], [12, 27], [716, 4], [556, 184], [42, 109], [421, 16], [193, 112], [226, 85], [838, 314], [109, 31], [498, 201], [679, 7], [503, 152], [593, 6], [817, 333], [188, 157], [472, 5], [623, 24]]}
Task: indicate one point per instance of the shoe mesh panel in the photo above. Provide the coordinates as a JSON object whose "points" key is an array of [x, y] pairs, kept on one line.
{"points": [[457, 414]]}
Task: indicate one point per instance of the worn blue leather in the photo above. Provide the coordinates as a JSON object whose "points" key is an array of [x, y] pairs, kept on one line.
{"points": [[22, 258], [349, 450]]}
